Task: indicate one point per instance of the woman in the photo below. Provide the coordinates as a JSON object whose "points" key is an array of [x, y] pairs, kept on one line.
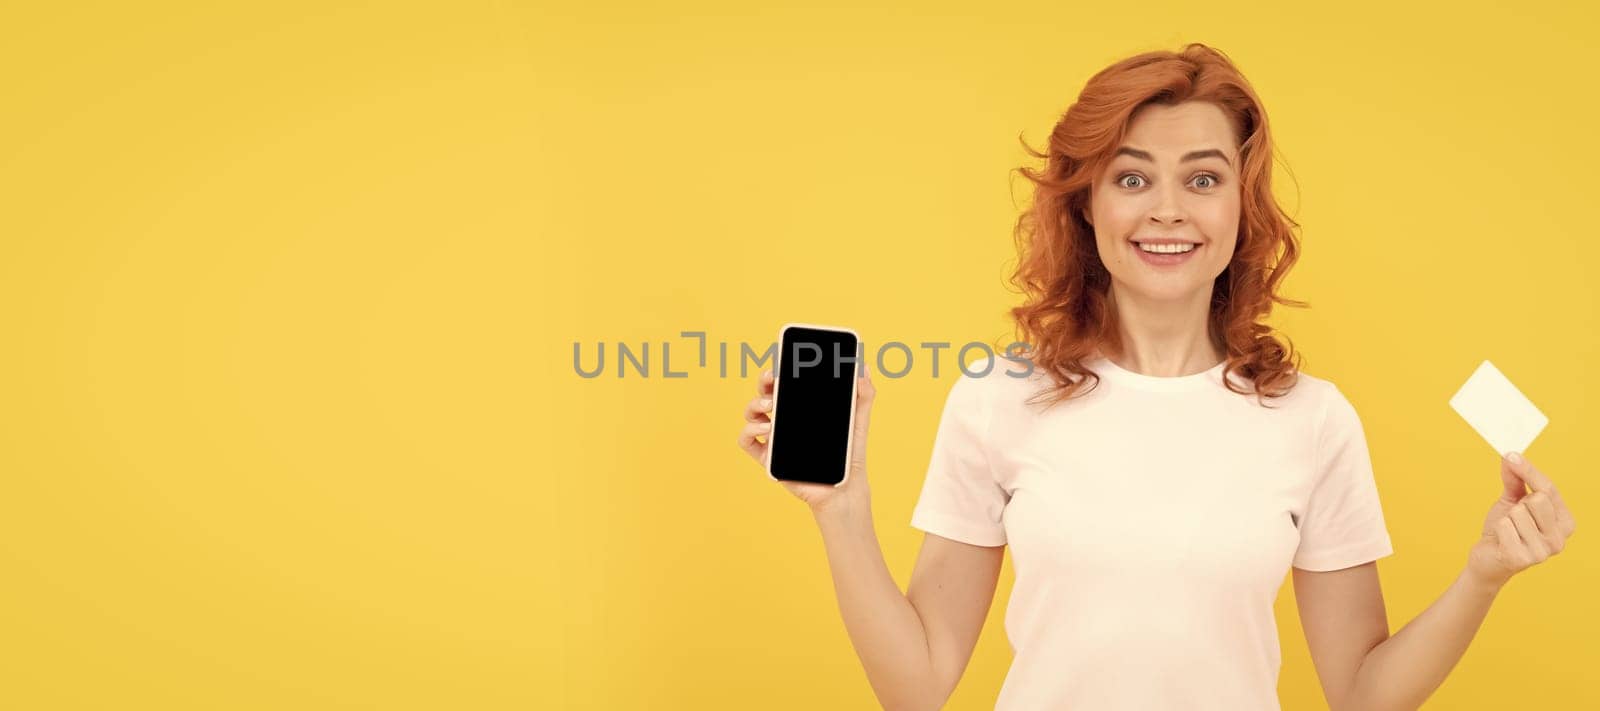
{"points": [[1163, 461]]}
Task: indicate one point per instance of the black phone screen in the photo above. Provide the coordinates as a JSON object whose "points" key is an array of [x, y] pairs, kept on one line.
{"points": [[815, 396]]}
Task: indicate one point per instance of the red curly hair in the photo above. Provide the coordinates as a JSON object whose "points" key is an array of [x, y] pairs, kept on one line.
{"points": [[1066, 317]]}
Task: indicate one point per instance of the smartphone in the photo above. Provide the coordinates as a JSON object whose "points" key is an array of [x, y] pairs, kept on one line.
{"points": [[813, 404]]}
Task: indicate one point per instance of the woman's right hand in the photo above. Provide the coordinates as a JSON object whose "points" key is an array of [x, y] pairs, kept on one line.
{"points": [[820, 497]]}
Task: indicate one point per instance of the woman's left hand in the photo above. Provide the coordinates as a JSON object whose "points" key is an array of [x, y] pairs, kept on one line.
{"points": [[1522, 528]]}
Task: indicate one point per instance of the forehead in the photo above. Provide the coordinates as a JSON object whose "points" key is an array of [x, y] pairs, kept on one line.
{"points": [[1159, 128]]}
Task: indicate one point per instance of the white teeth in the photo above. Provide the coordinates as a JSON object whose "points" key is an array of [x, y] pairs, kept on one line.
{"points": [[1167, 248]]}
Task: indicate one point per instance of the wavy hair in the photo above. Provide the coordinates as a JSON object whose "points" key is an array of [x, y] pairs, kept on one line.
{"points": [[1066, 315]]}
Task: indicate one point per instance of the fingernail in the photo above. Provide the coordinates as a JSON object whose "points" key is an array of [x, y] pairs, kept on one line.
{"points": [[766, 403], [767, 374], [1514, 458], [764, 426]]}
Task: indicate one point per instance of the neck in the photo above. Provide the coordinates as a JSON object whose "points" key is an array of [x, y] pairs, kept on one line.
{"points": [[1164, 338]]}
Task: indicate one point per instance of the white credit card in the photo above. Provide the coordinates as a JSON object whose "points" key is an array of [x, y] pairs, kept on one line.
{"points": [[1494, 407]]}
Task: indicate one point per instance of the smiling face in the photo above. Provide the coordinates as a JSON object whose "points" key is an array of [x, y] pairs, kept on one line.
{"points": [[1173, 186]]}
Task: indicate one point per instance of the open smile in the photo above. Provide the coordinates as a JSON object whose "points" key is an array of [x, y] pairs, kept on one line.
{"points": [[1165, 253]]}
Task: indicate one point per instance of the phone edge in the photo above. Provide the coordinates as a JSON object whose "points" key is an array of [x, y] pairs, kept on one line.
{"points": [[855, 394]]}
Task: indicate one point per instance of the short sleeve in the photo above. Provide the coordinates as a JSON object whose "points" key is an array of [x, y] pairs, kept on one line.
{"points": [[961, 499], [1342, 524]]}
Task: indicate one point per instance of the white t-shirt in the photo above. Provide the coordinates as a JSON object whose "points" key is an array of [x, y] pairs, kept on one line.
{"points": [[1151, 524]]}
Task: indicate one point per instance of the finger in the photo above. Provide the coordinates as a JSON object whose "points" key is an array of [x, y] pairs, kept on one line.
{"points": [[1537, 481], [1515, 489], [758, 410], [1543, 511], [1555, 495], [865, 390], [1529, 531], [1512, 549], [747, 437], [1564, 521], [1525, 470], [866, 394]]}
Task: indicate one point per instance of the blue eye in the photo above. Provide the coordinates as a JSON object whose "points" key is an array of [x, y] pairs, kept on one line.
{"points": [[1123, 181], [1211, 181]]}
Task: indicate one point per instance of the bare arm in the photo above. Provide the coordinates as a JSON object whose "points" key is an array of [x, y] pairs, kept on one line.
{"points": [[914, 646], [1343, 615], [1362, 667], [1359, 664]]}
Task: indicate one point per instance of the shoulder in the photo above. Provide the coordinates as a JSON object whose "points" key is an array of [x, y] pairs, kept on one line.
{"points": [[1316, 388], [1310, 392], [1005, 387], [1328, 403]]}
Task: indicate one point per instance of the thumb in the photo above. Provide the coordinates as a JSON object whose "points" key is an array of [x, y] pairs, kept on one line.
{"points": [[1511, 476], [866, 392]]}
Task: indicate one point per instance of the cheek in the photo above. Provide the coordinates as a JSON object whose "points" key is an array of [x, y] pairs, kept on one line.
{"points": [[1115, 217], [1219, 220]]}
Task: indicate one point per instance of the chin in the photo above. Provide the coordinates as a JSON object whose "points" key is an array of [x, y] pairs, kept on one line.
{"points": [[1170, 292]]}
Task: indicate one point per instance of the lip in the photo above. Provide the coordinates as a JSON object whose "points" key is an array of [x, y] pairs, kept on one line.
{"points": [[1165, 260]]}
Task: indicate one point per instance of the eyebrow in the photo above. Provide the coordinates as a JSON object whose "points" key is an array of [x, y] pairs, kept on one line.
{"points": [[1191, 155]]}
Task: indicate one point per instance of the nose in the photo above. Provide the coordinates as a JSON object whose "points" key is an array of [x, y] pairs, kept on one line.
{"points": [[1168, 209]]}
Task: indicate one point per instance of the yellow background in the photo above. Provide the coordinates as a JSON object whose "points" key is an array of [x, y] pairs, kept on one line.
{"points": [[288, 417]]}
